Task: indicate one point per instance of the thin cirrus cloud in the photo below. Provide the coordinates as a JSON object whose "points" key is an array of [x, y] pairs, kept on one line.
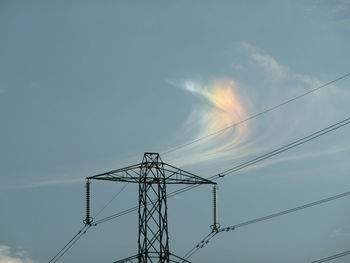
{"points": [[44, 183], [341, 13], [224, 102], [267, 63]]}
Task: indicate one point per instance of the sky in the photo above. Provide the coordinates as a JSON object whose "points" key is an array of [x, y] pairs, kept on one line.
{"points": [[89, 86]]}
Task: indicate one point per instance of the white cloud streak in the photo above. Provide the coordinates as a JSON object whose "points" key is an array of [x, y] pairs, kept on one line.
{"points": [[340, 232], [268, 63], [49, 183], [341, 12]]}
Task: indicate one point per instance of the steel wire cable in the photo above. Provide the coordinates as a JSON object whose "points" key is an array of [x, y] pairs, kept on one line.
{"points": [[245, 164], [257, 115], [295, 209], [345, 253], [200, 245], [260, 219], [83, 230], [70, 243], [111, 200], [287, 147]]}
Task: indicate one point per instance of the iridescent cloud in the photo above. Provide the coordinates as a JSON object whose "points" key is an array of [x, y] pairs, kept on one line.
{"points": [[221, 108]]}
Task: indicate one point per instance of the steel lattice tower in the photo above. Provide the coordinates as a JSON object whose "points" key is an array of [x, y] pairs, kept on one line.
{"points": [[152, 176]]}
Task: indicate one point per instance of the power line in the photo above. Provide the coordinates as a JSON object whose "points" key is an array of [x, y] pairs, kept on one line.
{"points": [[332, 257], [295, 209], [245, 164], [286, 147], [83, 230], [200, 245], [257, 115], [111, 200], [69, 244], [125, 212], [260, 219]]}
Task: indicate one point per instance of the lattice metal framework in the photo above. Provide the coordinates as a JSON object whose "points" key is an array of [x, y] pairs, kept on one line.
{"points": [[152, 175]]}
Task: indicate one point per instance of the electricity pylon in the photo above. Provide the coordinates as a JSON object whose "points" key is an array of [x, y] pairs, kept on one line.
{"points": [[152, 176]]}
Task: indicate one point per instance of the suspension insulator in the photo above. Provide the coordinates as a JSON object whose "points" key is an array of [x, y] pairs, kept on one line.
{"points": [[215, 225], [88, 219]]}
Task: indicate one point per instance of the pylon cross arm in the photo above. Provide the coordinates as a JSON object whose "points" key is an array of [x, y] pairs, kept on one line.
{"points": [[127, 260], [172, 258], [176, 175], [131, 174]]}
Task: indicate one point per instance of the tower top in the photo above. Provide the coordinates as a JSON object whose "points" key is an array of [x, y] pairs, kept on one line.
{"points": [[168, 174], [152, 175]]}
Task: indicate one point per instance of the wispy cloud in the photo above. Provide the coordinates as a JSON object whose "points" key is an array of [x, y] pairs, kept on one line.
{"points": [[64, 179], [341, 12], [340, 232], [225, 102], [266, 62], [41, 183], [341, 6], [50, 183], [8, 255]]}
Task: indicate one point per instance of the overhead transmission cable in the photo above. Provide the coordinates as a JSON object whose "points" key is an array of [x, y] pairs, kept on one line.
{"points": [[111, 200], [71, 242], [200, 245], [345, 253], [83, 230], [205, 241], [244, 165], [256, 115], [286, 147], [295, 209]]}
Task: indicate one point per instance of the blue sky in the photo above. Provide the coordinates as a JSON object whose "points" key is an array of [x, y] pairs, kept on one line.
{"points": [[89, 86]]}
